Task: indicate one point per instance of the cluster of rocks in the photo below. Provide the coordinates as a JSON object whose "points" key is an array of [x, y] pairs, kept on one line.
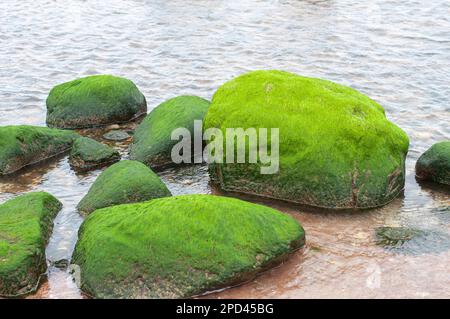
{"points": [[337, 150]]}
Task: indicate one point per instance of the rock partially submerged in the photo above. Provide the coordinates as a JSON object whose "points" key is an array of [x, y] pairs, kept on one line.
{"points": [[412, 241], [395, 236], [123, 182], [434, 164], [93, 101], [25, 226], [88, 154], [61, 264], [152, 142], [116, 135], [337, 149], [23, 145], [181, 246]]}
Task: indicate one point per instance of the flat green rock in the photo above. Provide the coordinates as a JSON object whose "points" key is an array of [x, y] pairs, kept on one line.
{"points": [[93, 101], [88, 154], [434, 164], [123, 182], [180, 246], [337, 148], [152, 143], [24, 145], [116, 135], [25, 226]]}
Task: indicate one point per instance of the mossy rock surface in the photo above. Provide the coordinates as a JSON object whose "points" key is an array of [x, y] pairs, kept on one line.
{"points": [[180, 246], [337, 148], [23, 145], [88, 154], [434, 164], [121, 183], [92, 101], [152, 143], [25, 226]]}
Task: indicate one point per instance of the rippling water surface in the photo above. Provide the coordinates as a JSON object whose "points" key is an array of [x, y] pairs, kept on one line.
{"points": [[397, 52]]}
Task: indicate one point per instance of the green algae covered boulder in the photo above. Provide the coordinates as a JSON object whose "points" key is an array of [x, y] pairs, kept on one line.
{"points": [[337, 149], [23, 145], [92, 101], [88, 154], [180, 246], [152, 142], [25, 226], [434, 164], [123, 182]]}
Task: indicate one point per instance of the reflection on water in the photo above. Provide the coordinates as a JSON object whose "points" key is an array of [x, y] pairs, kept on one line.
{"points": [[396, 52]]}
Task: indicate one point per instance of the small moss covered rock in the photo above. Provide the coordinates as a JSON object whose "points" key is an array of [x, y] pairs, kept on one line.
{"points": [[116, 135], [88, 154], [337, 149], [25, 226], [23, 145], [94, 101], [152, 142], [123, 182], [434, 164], [180, 246]]}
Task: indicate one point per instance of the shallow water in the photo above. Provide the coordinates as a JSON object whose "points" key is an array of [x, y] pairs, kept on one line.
{"points": [[397, 52]]}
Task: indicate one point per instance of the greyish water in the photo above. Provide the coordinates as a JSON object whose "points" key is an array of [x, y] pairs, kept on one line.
{"points": [[397, 52]]}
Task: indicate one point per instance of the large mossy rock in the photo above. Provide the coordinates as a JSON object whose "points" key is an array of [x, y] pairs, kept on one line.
{"points": [[23, 145], [94, 101], [180, 246], [152, 143], [337, 148], [121, 183], [25, 226], [434, 164], [88, 154]]}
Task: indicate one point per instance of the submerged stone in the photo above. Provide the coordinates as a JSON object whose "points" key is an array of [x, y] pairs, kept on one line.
{"points": [[180, 246], [337, 149], [61, 264], [92, 101], [23, 145], [152, 142], [88, 154], [116, 135], [395, 236], [411, 241], [123, 182], [434, 164], [25, 226]]}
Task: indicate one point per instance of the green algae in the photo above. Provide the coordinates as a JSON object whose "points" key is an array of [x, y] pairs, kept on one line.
{"points": [[337, 148], [97, 100], [434, 164], [152, 142], [180, 246], [123, 182], [25, 226], [87, 154], [23, 145]]}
